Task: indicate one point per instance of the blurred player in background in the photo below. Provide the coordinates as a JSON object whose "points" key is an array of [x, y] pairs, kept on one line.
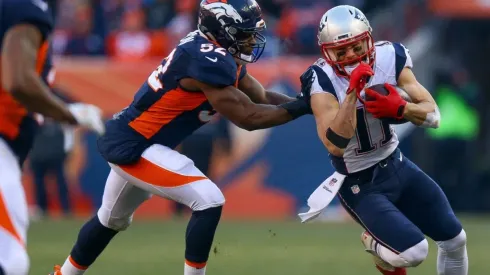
{"points": [[206, 73], [25, 26], [384, 192]]}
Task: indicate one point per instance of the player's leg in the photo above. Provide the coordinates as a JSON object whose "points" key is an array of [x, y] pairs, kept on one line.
{"points": [[395, 239], [119, 202], [63, 193], [426, 205], [14, 219], [39, 172], [167, 173]]}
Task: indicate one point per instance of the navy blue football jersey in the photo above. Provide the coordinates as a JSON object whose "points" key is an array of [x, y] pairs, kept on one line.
{"points": [[164, 113], [17, 126]]}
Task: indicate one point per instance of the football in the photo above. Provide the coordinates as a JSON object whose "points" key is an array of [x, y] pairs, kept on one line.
{"points": [[380, 89]]}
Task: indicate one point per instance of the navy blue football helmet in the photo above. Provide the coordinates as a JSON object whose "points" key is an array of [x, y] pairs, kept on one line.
{"points": [[235, 25]]}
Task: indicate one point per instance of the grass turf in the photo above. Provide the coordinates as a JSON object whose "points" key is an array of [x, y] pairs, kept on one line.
{"points": [[240, 248]]}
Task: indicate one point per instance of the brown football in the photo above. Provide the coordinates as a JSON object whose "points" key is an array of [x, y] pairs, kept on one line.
{"points": [[380, 89]]}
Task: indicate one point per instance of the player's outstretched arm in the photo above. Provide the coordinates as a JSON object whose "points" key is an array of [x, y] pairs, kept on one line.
{"points": [[19, 76], [423, 111], [239, 109], [258, 94]]}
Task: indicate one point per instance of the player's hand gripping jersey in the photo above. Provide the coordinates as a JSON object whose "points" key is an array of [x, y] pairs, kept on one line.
{"points": [[17, 125], [374, 140], [164, 113]]}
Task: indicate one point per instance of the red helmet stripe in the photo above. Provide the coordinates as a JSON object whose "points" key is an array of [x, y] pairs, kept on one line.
{"points": [[214, 1]]}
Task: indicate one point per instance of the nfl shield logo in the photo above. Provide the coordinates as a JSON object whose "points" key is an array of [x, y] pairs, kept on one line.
{"points": [[355, 189], [332, 182]]}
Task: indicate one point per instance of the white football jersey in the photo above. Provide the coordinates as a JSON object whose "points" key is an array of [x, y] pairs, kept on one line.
{"points": [[374, 140]]}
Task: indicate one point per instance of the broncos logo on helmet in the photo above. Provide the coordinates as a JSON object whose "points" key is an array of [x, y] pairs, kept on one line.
{"points": [[235, 25], [221, 9]]}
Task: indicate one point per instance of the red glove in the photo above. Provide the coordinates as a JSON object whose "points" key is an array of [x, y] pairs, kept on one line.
{"points": [[358, 78], [391, 105]]}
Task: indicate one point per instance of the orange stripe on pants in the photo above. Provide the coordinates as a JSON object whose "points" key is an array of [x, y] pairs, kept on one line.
{"points": [[151, 173], [6, 222]]}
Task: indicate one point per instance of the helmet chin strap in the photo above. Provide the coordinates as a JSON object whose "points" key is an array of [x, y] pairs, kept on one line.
{"points": [[246, 58], [243, 59]]}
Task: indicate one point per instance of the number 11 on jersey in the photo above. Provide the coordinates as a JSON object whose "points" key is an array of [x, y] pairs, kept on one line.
{"points": [[365, 141]]}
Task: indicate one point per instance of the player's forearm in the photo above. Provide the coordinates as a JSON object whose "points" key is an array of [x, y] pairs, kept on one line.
{"points": [[277, 98], [36, 97], [423, 114], [264, 116], [345, 122]]}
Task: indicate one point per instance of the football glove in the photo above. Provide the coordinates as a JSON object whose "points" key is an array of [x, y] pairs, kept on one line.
{"points": [[88, 116], [391, 105], [358, 78]]}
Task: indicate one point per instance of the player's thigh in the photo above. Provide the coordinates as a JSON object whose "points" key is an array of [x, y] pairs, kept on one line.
{"points": [[119, 202], [426, 205], [14, 219], [375, 213], [169, 174]]}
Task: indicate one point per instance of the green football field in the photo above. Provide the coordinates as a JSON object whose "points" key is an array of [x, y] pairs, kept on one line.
{"points": [[241, 248]]}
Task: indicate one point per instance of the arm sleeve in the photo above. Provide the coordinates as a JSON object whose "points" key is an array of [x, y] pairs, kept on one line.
{"points": [[321, 82], [402, 58], [212, 68]]}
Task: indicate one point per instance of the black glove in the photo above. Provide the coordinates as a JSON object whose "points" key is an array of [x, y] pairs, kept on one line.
{"points": [[302, 106], [306, 79]]}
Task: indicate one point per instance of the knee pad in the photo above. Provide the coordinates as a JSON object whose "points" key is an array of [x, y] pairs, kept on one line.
{"points": [[411, 257], [17, 264], [114, 223], [454, 243], [211, 198]]}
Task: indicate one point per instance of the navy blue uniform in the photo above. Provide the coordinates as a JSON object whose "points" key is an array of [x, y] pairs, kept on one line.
{"points": [[17, 126], [398, 203], [164, 113]]}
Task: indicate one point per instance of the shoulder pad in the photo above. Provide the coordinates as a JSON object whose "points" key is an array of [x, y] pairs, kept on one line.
{"points": [[321, 81], [35, 12], [382, 43], [320, 62], [402, 58], [210, 63]]}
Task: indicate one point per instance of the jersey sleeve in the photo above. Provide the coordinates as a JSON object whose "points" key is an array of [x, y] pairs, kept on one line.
{"points": [[402, 58], [321, 82], [34, 12], [213, 67]]}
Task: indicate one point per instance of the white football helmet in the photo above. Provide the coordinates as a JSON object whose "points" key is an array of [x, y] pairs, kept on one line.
{"points": [[342, 26]]}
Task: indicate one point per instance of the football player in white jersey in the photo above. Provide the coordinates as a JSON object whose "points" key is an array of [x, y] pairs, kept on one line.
{"points": [[388, 195]]}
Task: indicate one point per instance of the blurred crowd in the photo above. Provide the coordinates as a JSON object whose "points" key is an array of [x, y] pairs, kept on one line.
{"points": [[134, 29]]}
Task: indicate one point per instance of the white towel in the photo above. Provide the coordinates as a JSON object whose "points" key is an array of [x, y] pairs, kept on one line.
{"points": [[322, 196]]}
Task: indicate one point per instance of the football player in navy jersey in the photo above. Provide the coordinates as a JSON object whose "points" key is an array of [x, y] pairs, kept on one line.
{"points": [[204, 75], [25, 75]]}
